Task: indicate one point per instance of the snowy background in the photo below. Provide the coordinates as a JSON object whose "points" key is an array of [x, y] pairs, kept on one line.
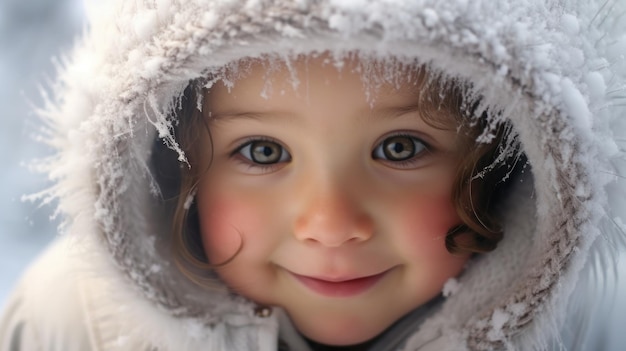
{"points": [[32, 32]]}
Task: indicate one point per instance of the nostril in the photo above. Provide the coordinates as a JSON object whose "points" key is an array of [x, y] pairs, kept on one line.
{"points": [[333, 231]]}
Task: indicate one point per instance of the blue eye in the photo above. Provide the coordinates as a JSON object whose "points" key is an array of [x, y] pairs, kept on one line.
{"points": [[264, 152], [399, 148]]}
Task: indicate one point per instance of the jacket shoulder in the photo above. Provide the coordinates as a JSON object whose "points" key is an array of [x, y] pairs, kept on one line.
{"points": [[46, 309]]}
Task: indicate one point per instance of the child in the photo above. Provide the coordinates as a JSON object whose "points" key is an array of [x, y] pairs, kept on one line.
{"points": [[382, 176]]}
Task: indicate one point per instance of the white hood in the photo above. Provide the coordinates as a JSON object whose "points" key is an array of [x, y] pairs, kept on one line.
{"points": [[556, 69]]}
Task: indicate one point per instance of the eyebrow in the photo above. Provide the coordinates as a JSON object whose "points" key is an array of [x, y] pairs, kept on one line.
{"points": [[252, 115], [396, 111], [386, 112]]}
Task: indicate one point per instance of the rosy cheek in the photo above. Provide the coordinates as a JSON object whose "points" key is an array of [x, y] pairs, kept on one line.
{"points": [[426, 222], [224, 224], [425, 226]]}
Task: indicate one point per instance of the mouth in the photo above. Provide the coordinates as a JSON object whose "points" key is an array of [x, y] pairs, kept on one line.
{"points": [[340, 287]]}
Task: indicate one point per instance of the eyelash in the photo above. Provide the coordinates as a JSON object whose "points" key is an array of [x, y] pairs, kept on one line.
{"points": [[409, 162], [258, 167], [269, 167]]}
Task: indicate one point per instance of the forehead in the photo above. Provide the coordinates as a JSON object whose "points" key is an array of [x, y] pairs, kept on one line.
{"points": [[320, 78]]}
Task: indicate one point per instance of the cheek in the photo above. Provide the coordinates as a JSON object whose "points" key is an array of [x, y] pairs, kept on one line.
{"points": [[225, 224], [425, 225], [425, 222]]}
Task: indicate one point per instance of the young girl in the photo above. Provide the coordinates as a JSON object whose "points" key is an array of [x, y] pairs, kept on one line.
{"points": [[323, 175]]}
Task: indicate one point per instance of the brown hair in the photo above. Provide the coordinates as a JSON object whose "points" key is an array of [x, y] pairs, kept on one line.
{"points": [[480, 180], [484, 170]]}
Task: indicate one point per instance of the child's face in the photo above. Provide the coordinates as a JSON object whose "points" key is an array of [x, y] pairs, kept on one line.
{"points": [[340, 207]]}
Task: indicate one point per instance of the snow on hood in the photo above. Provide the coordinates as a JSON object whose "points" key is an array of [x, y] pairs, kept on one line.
{"points": [[556, 69]]}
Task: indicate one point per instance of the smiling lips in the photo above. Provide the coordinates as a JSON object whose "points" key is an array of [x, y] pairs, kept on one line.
{"points": [[340, 288]]}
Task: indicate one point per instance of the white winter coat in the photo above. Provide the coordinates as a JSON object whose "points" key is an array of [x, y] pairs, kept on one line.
{"points": [[555, 69]]}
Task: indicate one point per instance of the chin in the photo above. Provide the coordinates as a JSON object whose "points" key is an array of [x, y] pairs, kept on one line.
{"points": [[340, 340], [334, 334]]}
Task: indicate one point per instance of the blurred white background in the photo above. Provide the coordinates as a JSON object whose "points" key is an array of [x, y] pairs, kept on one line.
{"points": [[32, 32]]}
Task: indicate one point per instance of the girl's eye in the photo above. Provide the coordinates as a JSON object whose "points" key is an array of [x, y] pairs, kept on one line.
{"points": [[399, 148], [264, 152]]}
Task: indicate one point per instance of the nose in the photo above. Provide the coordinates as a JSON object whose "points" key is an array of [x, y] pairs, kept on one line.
{"points": [[332, 218]]}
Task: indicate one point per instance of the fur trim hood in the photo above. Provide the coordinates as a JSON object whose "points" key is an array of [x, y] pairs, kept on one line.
{"points": [[555, 69]]}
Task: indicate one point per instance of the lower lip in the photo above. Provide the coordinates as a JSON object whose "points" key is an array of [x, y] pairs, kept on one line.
{"points": [[345, 288]]}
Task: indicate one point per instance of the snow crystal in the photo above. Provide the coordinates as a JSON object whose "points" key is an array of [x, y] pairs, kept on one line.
{"points": [[226, 4], [498, 319], [209, 20], [575, 104], [596, 84], [153, 66], [518, 309], [451, 287], [146, 24], [290, 31], [351, 5], [155, 268], [430, 17], [553, 82], [189, 200], [576, 57], [499, 51], [164, 8], [570, 24], [303, 5], [194, 329], [254, 5], [581, 190], [340, 22]]}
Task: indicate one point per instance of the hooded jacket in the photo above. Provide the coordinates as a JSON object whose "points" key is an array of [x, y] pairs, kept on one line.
{"points": [[555, 69]]}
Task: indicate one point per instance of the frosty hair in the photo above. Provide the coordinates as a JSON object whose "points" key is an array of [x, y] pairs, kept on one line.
{"points": [[482, 175]]}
